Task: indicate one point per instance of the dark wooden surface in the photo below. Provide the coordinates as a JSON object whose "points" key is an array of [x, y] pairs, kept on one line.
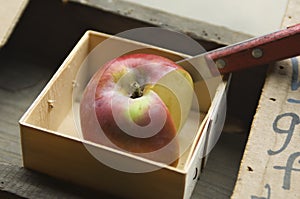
{"points": [[41, 41]]}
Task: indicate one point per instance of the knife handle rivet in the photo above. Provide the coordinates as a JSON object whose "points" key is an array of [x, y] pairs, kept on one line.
{"points": [[257, 53], [220, 63]]}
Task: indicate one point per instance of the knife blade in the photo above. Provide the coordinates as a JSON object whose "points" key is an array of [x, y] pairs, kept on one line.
{"points": [[257, 51]]}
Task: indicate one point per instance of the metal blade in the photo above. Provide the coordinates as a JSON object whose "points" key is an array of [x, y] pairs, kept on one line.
{"points": [[200, 67]]}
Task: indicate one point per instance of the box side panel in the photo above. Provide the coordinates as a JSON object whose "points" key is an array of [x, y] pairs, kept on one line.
{"points": [[70, 161], [106, 47], [131, 45], [193, 174], [217, 117], [55, 100], [208, 139]]}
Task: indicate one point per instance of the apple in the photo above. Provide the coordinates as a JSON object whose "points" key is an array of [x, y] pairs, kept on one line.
{"points": [[140, 102]]}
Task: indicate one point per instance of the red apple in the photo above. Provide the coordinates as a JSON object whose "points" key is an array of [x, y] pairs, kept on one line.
{"points": [[140, 102]]}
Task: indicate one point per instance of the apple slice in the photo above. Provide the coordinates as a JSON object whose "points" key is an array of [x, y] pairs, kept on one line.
{"points": [[176, 91]]}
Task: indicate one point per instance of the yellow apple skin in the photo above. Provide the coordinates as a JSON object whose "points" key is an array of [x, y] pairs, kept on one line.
{"points": [[140, 102]]}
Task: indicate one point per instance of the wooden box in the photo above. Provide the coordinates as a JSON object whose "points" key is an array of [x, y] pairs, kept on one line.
{"points": [[51, 144]]}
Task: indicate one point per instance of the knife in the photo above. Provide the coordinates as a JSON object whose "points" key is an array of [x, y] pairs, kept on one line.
{"points": [[257, 51]]}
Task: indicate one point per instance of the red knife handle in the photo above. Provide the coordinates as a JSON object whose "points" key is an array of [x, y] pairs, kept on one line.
{"points": [[258, 51]]}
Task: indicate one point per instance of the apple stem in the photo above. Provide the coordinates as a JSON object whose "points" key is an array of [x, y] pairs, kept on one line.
{"points": [[137, 90]]}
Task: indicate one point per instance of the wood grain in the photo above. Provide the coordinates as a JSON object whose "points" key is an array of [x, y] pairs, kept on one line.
{"points": [[12, 106], [18, 182], [192, 27]]}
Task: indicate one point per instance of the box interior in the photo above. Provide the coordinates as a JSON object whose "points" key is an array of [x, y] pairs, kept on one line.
{"points": [[53, 111]]}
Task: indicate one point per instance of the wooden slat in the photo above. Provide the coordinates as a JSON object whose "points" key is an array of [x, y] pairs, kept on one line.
{"points": [[12, 106], [221, 13], [270, 167], [197, 29], [18, 182], [10, 12]]}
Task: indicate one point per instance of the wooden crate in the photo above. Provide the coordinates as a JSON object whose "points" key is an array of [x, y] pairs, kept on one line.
{"points": [[51, 144]]}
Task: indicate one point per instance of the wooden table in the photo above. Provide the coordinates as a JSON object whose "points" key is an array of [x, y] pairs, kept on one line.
{"points": [[45, 35]]}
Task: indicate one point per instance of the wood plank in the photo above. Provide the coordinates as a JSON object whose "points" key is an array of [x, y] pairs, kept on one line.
{"points": [[10, 12], [195, 28], [221, 13], [18, 182], [219, 175], [269, 168], [12, 107]]}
